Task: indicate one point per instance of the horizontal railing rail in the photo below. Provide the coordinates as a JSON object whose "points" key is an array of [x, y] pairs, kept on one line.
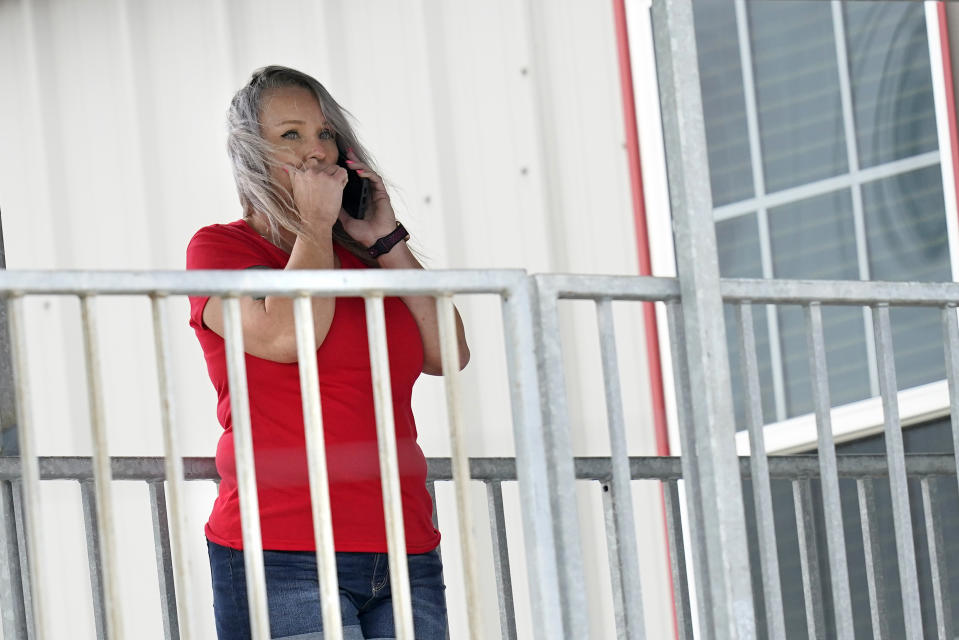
{"points": [[860, 465]]}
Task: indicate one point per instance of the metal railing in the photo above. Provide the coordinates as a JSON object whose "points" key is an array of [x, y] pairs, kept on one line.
{"points": [[800, 471], [544, 467]]}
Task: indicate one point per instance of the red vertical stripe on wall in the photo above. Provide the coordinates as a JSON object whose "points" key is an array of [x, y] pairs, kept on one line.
{"points": [[642, 248], [950, 92]]}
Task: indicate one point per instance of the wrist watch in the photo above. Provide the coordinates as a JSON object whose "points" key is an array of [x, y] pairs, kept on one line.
{"points": [[387, 242]]}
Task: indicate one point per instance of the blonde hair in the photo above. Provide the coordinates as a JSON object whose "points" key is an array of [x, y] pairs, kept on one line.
{"points": [[252, 156]]}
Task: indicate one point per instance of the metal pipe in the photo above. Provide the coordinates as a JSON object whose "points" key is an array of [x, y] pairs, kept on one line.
{"points": [[677, 561], [32, 610], [620, 496], [449, 350], [532, 466], [809, 560], [88, 501], [504, 581], [898, 482], [245, 470], [872, 552], [559, 459], [389, 467], [832, 504], [101, 469], [759, 465], [940, 581], [173, 466], [713, 423], [690, 471], [164, 559], [316, 464]]}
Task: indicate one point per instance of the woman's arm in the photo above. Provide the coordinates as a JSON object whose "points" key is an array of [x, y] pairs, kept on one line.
{"points": [[380, 221], [423, 309], [269, 330]]}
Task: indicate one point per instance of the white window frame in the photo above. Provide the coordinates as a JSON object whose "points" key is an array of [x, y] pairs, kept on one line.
{"points": [[851, 421]]}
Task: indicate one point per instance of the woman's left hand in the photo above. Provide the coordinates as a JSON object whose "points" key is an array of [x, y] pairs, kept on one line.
{"points": [[380, 218]]}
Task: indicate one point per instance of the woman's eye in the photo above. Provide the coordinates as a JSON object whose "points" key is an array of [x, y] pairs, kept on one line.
{"points": [[291, 135], [326, 134]]}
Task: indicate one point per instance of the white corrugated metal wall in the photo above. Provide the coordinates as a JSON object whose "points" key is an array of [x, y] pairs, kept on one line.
{"points": [[500, 125]]}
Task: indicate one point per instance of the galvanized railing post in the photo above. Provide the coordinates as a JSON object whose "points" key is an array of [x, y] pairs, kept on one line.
{"points": [[559, 451], [315, 439], [27, 531], [450, 357], [832, 503], [253, 564], [13, 615], [898, 482], [759, 465], [713, 422], [532, 462], [389, 466]]}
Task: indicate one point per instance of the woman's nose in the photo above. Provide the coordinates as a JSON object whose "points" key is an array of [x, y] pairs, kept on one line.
{"points": [[317, 151]]}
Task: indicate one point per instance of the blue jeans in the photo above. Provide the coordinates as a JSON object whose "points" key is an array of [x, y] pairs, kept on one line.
{"points": [[293, 595]]}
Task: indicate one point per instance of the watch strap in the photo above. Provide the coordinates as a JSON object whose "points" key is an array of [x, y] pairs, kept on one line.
{"points": [[387, 242]]}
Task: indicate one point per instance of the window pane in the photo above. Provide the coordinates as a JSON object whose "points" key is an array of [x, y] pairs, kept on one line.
{"points": [[797, 90], [891, 80], [724, 108], [906, 230], [738, 241], [815, 239]]}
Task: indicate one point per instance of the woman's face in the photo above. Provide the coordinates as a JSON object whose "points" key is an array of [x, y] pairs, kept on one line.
{"points": [[291, 120]]}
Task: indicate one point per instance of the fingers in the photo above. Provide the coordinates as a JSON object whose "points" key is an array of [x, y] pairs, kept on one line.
{"points": [[362, 169]]}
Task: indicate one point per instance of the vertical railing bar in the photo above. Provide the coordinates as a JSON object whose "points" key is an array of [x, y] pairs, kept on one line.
{"points": [[898, 482], [19, 522], [431, 489], [620, 604], [245, 470], [559, 459], [88, 501], [950, 330], [102, 476], [809, 559], [759, 465], [620, 493], [389, 467], [317, 468], [937, 565], [164, 560], [677, 560], [504, 580], [179, 584], [449, 352], [832, 503], [29, 489], [872, 551], [691, 482], [536, 490], [13, 610]]}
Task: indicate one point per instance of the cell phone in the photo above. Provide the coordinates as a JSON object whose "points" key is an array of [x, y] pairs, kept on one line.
{"points": [[356, 193]]}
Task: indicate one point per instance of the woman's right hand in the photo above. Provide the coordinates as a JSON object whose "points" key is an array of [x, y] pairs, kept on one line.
{"points": [[318, 193]]}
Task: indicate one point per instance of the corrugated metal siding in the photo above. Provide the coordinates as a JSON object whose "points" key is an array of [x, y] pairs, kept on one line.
{"points": [[499, 124]]}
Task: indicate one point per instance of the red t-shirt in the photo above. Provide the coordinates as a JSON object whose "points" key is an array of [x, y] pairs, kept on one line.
{"points": [[346, 397]]}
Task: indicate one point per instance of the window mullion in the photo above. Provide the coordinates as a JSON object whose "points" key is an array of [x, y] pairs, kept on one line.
{"points": [[762, 216], [852, 155]]}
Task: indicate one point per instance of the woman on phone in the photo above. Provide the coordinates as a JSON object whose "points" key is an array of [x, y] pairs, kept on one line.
{"points": [[291, 146]]}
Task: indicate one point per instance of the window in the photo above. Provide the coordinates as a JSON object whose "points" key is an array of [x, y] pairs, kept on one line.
{"points": [[824, 164]]}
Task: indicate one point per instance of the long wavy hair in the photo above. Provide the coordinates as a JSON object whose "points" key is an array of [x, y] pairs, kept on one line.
{"points": [[252, 156]]}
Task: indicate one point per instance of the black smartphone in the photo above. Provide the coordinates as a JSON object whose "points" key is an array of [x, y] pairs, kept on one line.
{"points": [[356, 193]]}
